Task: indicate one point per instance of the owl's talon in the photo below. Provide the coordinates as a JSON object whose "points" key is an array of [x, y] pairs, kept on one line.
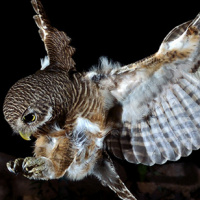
{"points": [[34, 168], [32, 162], [30, 167], [10, 165], [15, 166]]}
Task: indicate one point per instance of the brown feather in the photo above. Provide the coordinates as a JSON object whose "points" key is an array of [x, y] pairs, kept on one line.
{"points": [[56, 42]]}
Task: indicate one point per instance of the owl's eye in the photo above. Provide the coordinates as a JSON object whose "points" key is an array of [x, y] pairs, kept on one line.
{"points": [[31, 117]]}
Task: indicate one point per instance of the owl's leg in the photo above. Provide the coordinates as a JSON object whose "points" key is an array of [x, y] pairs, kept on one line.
{"points": [[106, 173], [52, 158], [57, 150]]}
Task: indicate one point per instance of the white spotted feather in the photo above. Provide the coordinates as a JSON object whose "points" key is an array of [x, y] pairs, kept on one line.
{"points": [[44, 62]]}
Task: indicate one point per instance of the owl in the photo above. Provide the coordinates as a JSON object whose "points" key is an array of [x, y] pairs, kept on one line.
{"points": [[146, 112]]}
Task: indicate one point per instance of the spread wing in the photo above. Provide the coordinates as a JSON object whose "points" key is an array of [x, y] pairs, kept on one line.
{"points": [[56, 42], [156, 100]]}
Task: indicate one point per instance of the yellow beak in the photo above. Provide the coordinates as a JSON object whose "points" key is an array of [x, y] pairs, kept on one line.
{"points": [[25, 136]]}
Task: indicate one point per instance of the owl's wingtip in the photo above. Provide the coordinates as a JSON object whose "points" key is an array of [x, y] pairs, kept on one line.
{"points": [[34, 4], [196, 21]]}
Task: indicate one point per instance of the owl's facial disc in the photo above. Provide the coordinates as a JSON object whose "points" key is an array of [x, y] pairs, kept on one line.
{"points": [[32, 119]]}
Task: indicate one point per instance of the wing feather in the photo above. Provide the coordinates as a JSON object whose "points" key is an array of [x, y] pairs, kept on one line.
{"points": [[171, 131], [160, 98], [176, 32], [56, 42]]}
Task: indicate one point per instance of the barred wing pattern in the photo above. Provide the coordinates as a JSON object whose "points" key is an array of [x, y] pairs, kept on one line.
{"points": [[160, 100], [171, 131], [56, 42]]}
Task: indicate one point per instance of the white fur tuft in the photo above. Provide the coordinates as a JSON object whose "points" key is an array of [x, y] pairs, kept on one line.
{"points": [[104, 67], [86, 125], [44, 62], [82, 166]]}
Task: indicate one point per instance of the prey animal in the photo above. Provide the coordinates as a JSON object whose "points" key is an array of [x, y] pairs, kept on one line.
{"points": [[147, 112]]}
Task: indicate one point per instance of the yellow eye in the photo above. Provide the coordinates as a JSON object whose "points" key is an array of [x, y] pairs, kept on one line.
{"points": [[29, 118]]}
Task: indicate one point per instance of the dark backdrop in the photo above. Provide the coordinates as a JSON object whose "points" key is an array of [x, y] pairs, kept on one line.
{"points": [[122, 31]]}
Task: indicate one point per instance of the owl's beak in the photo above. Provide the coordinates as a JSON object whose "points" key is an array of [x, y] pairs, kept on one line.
{"points": [[25, 136]]}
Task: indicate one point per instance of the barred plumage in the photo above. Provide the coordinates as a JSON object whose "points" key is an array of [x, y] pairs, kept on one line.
{"points": [[146, 112], [171, 131]]}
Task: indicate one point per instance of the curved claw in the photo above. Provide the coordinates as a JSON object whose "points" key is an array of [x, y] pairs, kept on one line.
{"points": [[15, 166]]}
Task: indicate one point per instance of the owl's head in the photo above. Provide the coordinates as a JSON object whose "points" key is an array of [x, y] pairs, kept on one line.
{"points": [[33, 103]]}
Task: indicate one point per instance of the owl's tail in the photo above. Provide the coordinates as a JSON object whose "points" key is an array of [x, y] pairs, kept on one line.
{"points": [[106, 173]]}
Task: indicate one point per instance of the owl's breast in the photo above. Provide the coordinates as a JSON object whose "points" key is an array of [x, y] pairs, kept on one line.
{"points": [[87, 142], [84, 161]]}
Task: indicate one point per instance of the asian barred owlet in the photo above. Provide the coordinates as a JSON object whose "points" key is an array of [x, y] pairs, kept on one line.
{"points": [[147, 112]]}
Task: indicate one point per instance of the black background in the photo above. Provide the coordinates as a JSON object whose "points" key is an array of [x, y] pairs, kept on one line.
{"points": [[122, 31]]}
